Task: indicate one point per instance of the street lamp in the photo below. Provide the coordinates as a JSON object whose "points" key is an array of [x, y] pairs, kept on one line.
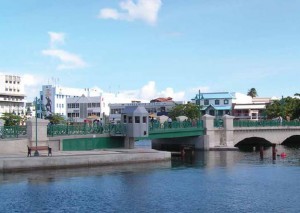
{"points": [[36, 153], [199, 105]]}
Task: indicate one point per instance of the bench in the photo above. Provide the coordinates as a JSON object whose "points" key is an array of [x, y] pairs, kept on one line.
{"points": [[38, 148]]}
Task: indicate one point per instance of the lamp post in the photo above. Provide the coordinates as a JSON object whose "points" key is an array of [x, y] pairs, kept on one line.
{"points": [[36, 153], [199, 105]]}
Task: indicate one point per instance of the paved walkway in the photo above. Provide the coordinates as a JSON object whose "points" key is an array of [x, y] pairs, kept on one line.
{"points": [[66, 159]]}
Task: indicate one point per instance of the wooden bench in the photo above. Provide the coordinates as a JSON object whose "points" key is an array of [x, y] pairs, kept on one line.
{"points": [[38, 148]]}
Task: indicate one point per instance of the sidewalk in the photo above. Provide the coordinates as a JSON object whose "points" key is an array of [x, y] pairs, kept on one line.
{"points": [[71, 159]]}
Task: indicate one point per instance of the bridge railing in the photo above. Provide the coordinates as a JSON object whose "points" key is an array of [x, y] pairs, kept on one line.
{"points": [[158, 127], [218, 123], [84, 129], [264, 123], [12, 131]]}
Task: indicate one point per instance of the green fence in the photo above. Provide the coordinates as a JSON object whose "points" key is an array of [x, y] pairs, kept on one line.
{"points": [[84, 129], [162, 127], [264, 123], [12, 131], [77, 144], [218, 123]]}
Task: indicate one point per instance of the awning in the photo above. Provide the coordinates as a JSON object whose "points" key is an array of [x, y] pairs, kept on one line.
{"points": [[249, 106]]}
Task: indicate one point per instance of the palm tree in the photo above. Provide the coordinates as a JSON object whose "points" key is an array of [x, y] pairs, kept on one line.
{"points": [[252, 92]]}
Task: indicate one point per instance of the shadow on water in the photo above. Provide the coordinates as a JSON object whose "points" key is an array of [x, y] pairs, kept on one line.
{"points": [[48, 176]]}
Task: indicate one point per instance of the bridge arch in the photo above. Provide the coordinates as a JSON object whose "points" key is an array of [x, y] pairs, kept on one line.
{"points": [[249, 143], [293, 141]]}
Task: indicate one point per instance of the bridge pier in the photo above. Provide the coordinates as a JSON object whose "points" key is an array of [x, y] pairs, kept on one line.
{"points": [[129, 142], [228, 128]]}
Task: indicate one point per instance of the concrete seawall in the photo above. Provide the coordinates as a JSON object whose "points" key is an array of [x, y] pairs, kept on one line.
{"points": [[19, 162]]}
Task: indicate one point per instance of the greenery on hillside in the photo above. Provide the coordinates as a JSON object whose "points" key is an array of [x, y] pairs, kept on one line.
{"points": [[189, 110], [288, 108]]}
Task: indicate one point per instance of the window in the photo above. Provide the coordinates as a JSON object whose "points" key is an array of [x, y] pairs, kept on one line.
{"points": [[125, 119], [137, 119], [206, 102], [217, 102], [130, 119], [226, 101], [144, 119]]}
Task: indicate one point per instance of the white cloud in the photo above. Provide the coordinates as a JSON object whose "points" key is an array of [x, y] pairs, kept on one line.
{"points": [[56, 38], [145, 10], [69, 60]]}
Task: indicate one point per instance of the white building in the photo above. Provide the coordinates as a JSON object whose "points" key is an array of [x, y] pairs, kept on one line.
{"points": [[12, 95], [54, 98], [80, 108], [246, 107], [157, 108]]}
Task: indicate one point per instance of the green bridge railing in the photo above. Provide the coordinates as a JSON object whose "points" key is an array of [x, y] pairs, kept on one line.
{"points": [[12, 131], [264, 123], [162, 127], [84, 129]]}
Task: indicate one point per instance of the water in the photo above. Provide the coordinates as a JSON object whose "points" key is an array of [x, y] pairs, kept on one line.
{"points": [[215, 181]]}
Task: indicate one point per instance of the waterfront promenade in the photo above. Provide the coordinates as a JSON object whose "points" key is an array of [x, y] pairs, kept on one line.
{"points": [[71, 159]]}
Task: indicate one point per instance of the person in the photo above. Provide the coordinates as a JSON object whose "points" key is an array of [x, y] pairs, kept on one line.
{"points": [[170, 122]]}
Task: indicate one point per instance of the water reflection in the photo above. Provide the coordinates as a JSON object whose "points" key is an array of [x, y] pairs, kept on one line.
{"points": [[47, 176], [213, 181]]}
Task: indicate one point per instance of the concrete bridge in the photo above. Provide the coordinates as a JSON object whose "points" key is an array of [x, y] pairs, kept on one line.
{"points": [[205, 135], [230, 134]]}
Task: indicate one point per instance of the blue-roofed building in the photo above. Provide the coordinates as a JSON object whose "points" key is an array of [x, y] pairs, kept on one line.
{"points": [[215, 103]]}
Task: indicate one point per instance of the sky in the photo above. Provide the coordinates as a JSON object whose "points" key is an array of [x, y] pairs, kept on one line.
{"points": [[145, 49]]}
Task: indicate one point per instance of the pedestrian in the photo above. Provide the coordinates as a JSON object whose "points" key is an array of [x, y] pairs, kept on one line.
{"points": [[170, 122]]}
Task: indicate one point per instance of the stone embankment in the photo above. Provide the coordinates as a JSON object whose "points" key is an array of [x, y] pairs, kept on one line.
{"points": [[73, 159]]}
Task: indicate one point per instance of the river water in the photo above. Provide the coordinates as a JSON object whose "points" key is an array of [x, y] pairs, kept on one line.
{"points": [[214, 181]]}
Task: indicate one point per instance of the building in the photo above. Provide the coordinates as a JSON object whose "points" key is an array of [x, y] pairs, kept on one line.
{"points": [[54, 99], [81, 108], [215, 104], [12, 95], [248, 108], [157, 106]]}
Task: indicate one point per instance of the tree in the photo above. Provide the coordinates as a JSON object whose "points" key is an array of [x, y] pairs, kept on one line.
{"points": [[55, 119], [286, 107], [252, 92], [190, 110], [11, 119]]}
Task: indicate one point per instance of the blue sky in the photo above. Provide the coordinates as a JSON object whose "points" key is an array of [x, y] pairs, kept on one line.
{"points": [[149, 48]]}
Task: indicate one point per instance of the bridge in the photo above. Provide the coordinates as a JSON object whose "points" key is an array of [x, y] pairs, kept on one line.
{"points": [[206, 134]]}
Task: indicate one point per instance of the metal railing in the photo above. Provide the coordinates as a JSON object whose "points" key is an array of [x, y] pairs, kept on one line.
{"points": [[158, 127], [12, 131], [218, 123], [84, 129], [264, 123]]}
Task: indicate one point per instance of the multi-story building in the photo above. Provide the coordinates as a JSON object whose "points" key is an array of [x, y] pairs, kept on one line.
{"points": [[81, 108], [12, 95], [215, 103], [246, 107], [54, 98], [160, 106]]}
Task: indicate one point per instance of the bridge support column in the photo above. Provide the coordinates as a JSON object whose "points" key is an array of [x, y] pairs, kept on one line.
{"points": [[228, 127], [208, 124], [129, 142]]}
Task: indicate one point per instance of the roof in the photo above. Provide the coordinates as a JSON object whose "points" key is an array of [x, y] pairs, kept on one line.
{"points": [[218, 107], [215, 95], [136, 110], [161, 100], [250, 106]]}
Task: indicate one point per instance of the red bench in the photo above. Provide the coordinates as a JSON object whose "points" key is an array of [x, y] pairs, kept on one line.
{"points": [[38, 148]]}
